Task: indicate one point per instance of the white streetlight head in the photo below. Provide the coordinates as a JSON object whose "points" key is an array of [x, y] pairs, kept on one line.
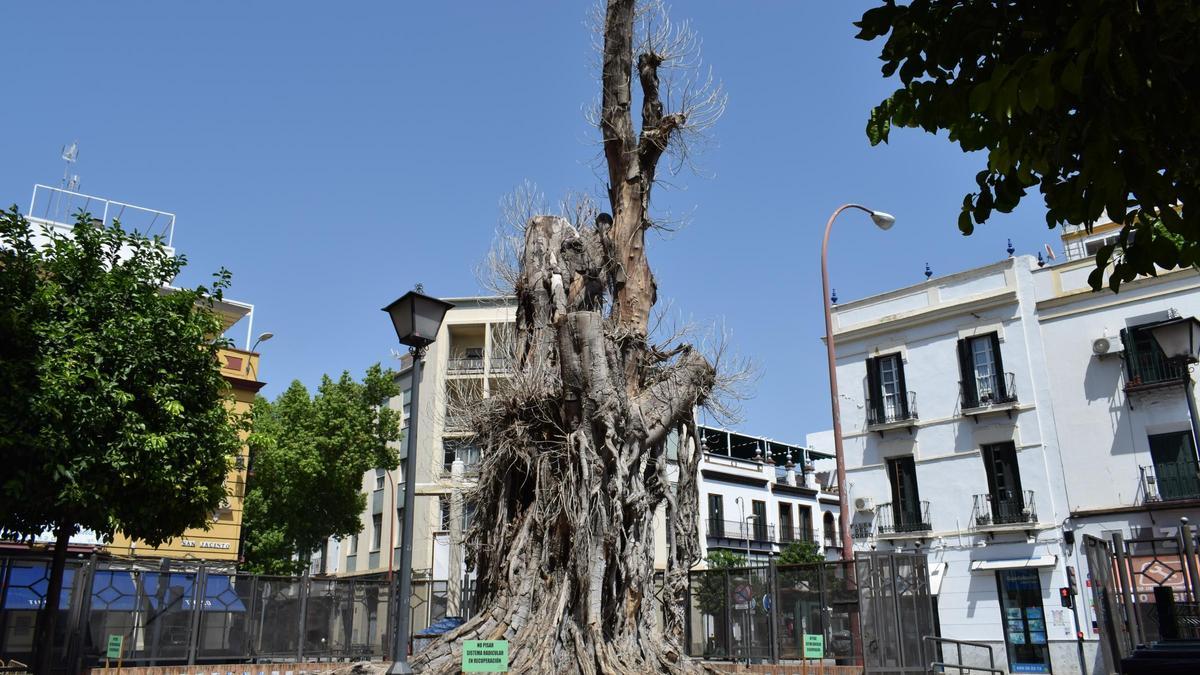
{"points": [[264, 337], [883, 221]]}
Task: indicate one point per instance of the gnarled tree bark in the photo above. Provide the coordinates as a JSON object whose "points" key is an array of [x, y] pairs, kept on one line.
{"points": [[574, 460]]}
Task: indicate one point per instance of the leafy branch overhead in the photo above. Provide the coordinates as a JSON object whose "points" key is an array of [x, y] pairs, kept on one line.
{"points": [[1092, 103]]}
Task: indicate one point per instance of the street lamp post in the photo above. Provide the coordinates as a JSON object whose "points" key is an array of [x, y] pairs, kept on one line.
{"points": [[417, 319], [746, 520], [883, 221]]}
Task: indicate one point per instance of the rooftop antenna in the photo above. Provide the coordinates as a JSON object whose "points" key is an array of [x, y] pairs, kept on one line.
{"points": [[70, 154]]}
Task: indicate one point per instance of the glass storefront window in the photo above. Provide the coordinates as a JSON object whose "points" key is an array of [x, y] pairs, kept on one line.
{"points": [[1024, 621]]}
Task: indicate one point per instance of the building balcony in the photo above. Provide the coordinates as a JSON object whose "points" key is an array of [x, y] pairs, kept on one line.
{"points": [[903, 520], [893, 412], [789, 534], [992, 513], [988, 397], [1150, 369], [462, 365], [1171, 481], [500, 364], [733, 529]]}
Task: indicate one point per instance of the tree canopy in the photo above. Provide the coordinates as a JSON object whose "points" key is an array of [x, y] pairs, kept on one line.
{"points": [[112, 404], [112, 408], [309, 454], [1093, 103], [800, 553]]}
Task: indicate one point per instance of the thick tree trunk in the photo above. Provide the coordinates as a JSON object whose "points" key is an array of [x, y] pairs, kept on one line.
{"points": [[574, 465], [49, 615]]}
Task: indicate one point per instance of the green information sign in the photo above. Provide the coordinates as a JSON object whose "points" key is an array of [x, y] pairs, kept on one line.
{"points": [[115, 642], [485, 656], [814, 646]]}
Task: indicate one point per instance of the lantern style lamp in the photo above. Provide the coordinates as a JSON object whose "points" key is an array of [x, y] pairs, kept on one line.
{"points": [[417, 319], [1178, 338]]}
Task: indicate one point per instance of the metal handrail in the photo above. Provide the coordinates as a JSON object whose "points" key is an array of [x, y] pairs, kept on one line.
{"points": [[1170, 481], [991, 510], [734, 529], [941, 666], [996, 396], [902, 410], [894, 520]]}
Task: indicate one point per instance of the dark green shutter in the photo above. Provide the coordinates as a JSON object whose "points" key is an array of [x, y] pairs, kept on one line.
{"points": [[966, 367], [904, 411], [874, 391]]}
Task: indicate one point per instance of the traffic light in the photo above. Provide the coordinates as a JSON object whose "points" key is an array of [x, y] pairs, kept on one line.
{"points": [[1068, 599], [1071, 582]]}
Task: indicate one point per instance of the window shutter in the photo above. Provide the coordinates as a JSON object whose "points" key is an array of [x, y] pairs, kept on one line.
{"points": [[1130, 352], [874, 391], [904, 411], [998, 363], [970, 394]]}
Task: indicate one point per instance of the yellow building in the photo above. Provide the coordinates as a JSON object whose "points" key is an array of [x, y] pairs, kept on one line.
{"points": [[221, 540]]}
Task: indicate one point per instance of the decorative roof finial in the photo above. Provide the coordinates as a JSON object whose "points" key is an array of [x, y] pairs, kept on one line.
{"points": [[419, 287], [928, 271], [833, 297], [1041, 260], [1010, 248]]}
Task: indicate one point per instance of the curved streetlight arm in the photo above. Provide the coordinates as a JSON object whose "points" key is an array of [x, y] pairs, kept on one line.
{"points": [[839, 453]]}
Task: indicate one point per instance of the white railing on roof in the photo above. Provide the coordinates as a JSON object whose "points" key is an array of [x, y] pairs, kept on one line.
{"points": [[58, 206]]}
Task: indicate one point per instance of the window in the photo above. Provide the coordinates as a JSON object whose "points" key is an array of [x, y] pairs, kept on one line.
{"points": [[828, 530], [379, 475], [458, 449], [716, 516], [1024, 620], [982, 371], [354, 544], [406, 409], [804, 525], [1175, 466], [887, 394], [759, 509], [1004, 484], [376, 531], [444, 506], [786, 530], [907, 512], [438, 600]]}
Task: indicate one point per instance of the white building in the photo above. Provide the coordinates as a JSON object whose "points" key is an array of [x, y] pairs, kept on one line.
{"points": [[981, 428]]}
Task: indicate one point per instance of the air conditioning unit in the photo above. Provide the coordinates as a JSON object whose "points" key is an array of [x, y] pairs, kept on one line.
{"points": [[864, 504], [1107, 345]]}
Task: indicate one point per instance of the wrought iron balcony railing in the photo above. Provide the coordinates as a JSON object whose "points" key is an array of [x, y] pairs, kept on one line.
{"points": [[900, 518], [892, 409], [991, 510], [1171, 480], [500, 364], [989, 392], [733, 529], [1148, 368], [797, 533]]}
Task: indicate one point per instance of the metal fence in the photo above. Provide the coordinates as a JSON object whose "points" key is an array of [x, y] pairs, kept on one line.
{"points": [[871, 612], [175, 614]]}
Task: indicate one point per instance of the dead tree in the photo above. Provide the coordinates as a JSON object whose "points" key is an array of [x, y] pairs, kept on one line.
{"points": [[574, 447]]}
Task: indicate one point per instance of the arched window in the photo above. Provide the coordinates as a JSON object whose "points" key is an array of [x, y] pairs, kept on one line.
{"points": [[830, 530]]}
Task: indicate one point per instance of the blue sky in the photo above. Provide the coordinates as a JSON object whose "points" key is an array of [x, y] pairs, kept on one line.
{"points": [[332, 155]]}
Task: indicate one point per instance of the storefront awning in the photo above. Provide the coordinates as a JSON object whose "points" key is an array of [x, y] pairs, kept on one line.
{"points": [[1014, 563], [937, 572]]}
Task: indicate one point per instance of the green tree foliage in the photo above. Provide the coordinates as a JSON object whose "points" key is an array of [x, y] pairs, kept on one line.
{"points": [[309, 454], [1093, 102], [711, 594], [112, 406], [800, 553]]}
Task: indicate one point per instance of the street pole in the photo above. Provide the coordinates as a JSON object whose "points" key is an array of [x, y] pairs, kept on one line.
{"points": [[403, 603], [884, 221]]}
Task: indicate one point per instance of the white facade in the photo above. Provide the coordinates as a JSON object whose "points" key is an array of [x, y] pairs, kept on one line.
{"points": [[996, 479]]}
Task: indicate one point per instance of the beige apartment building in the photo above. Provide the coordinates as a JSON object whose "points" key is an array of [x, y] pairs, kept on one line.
{"points": [[469, 359]]}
